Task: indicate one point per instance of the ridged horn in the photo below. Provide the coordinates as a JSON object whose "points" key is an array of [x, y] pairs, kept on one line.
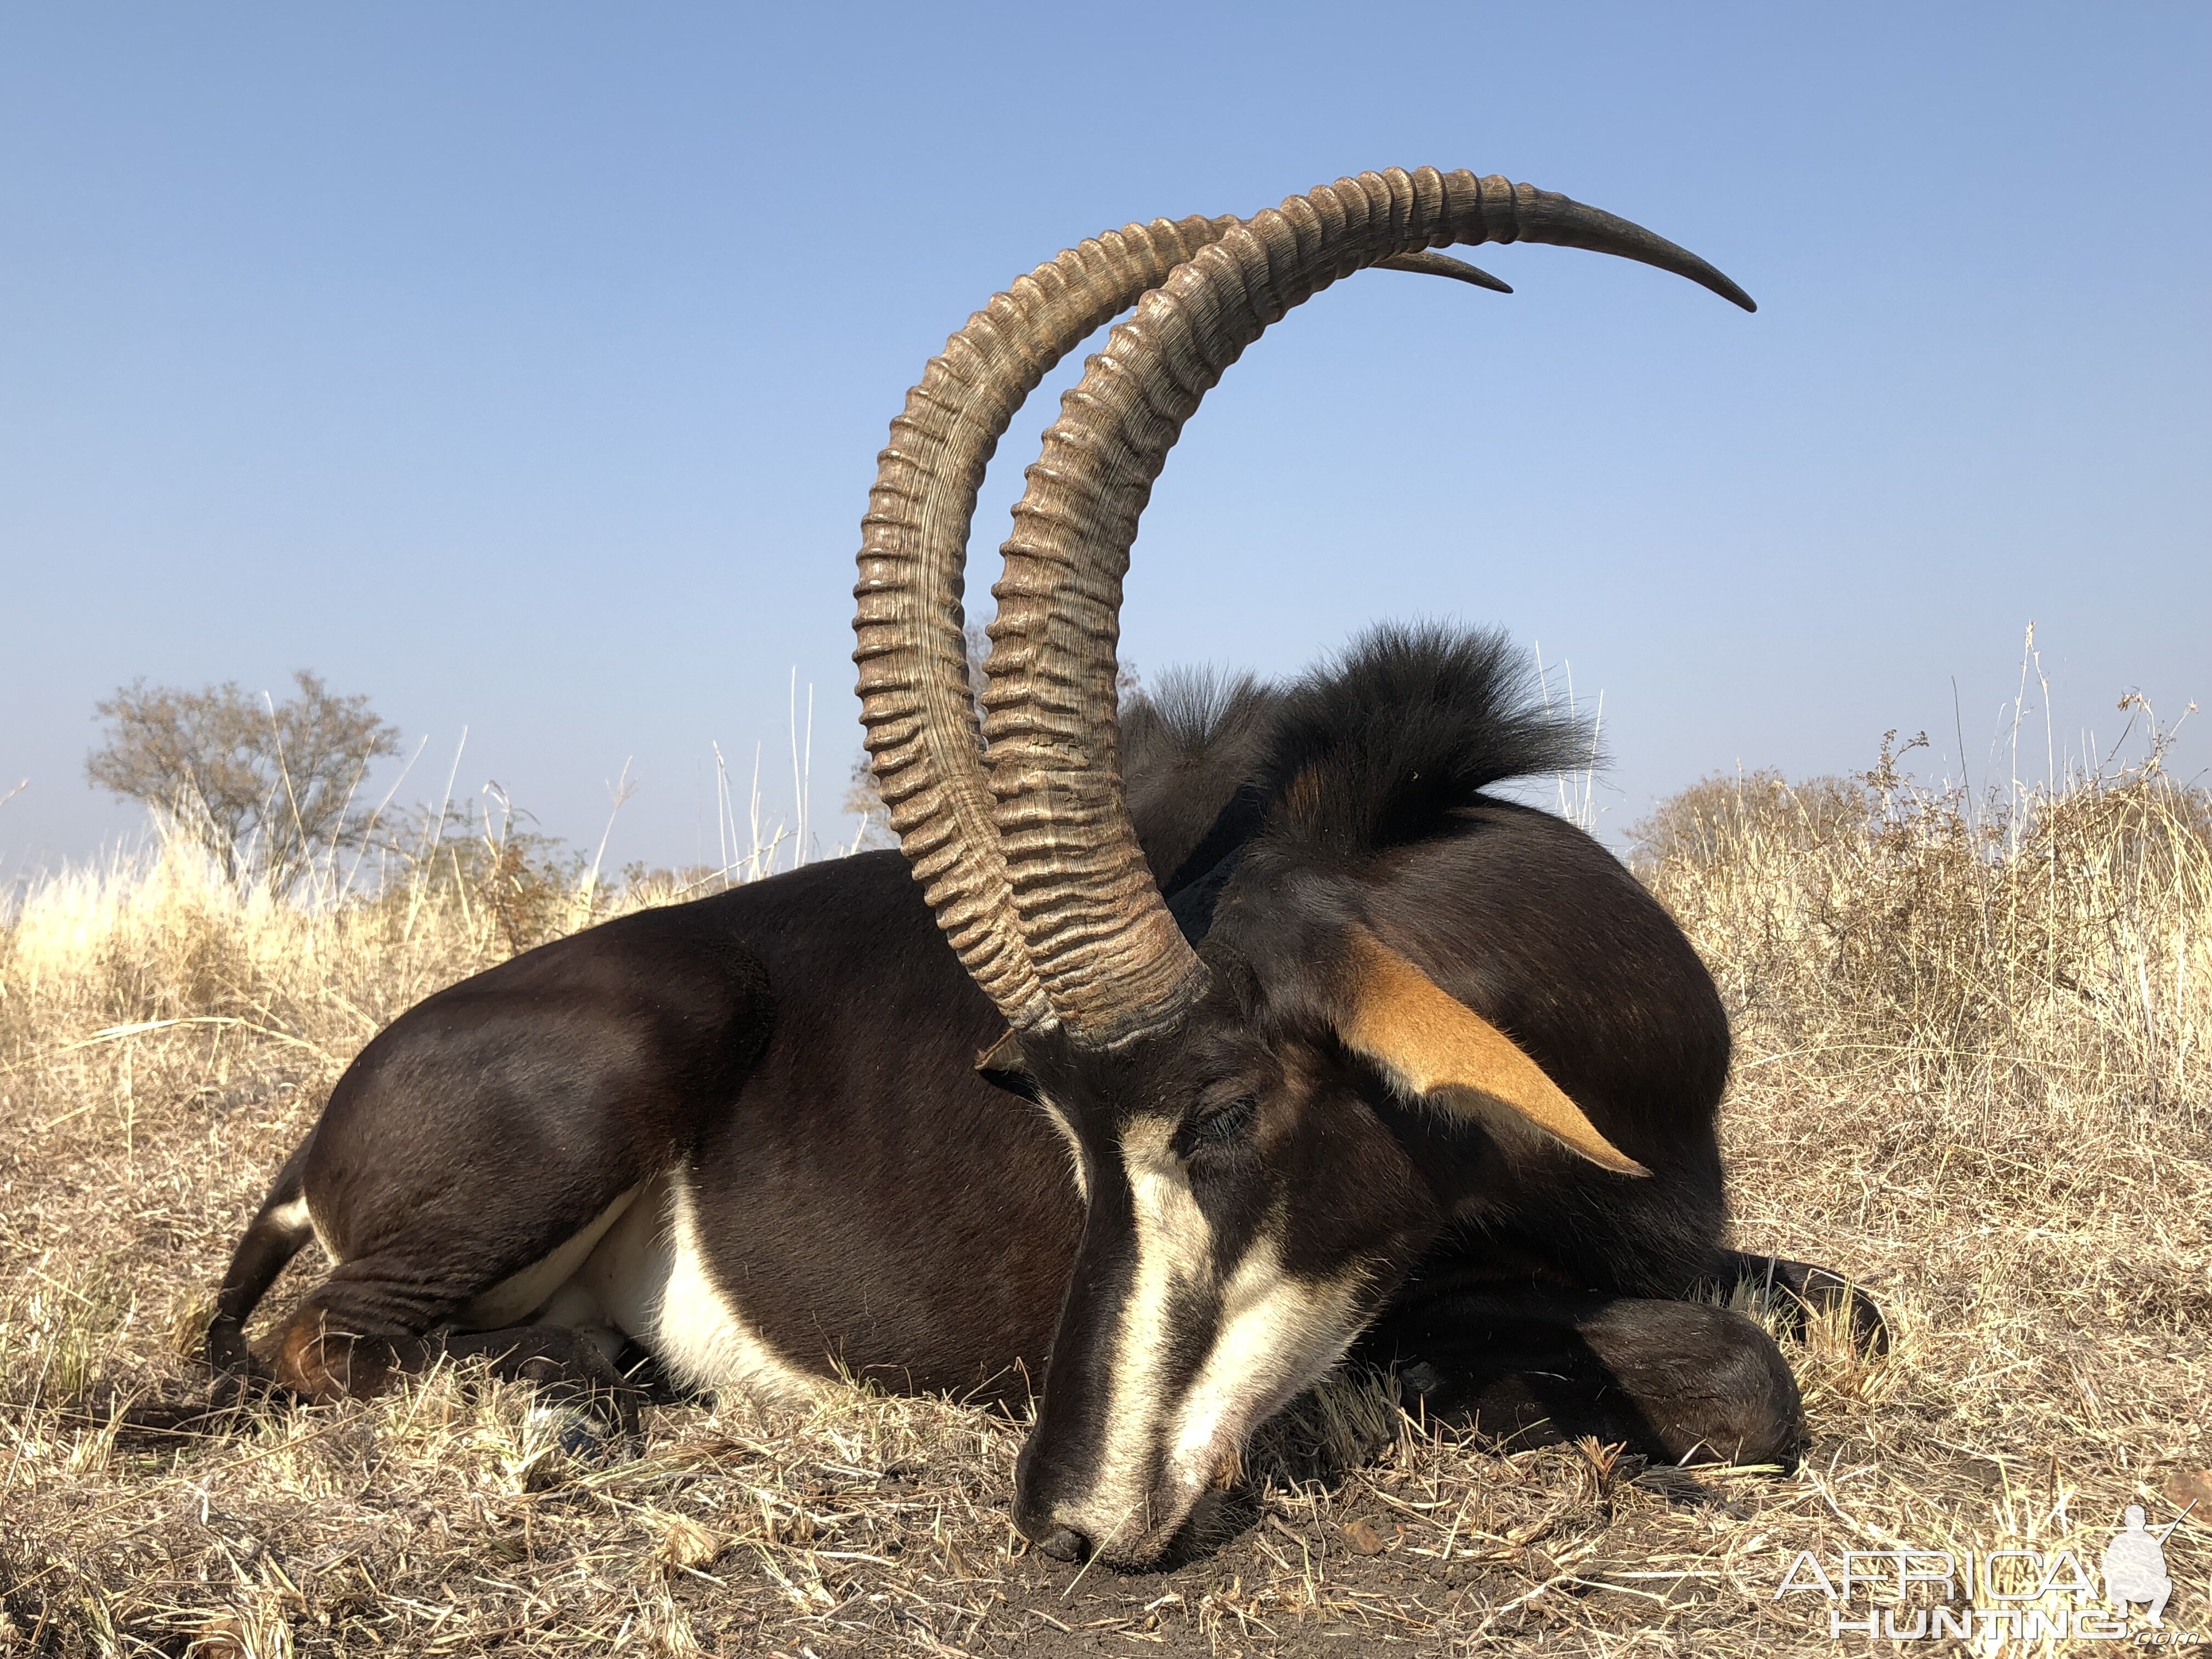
{"points": [[923, 729], [1109, 960], [923, 732]]}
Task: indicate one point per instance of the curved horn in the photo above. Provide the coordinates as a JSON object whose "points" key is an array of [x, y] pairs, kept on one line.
{"points": [[922, 730], [1108, 957], [912, 648], [1442, 264]]}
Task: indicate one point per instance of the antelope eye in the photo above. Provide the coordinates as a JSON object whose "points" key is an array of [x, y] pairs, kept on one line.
{"points": [[1224, 1124]]}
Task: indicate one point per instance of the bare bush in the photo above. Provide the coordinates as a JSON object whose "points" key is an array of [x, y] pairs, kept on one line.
{"points": [[2047, 948], [260, 786], [527, 887], [1705, 824]]}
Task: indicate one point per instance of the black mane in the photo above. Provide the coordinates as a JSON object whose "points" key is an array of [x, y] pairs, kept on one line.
{"points": [[1379, 747], [1410, 724], [1190, 750]]}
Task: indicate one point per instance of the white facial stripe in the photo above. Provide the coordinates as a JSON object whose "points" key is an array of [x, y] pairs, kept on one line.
{"points": [[1175, 1249], [1277, 1333], [1074, 1148]]}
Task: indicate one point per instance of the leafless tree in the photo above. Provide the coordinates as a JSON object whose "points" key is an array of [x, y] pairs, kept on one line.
{"points": [[262, 786]]}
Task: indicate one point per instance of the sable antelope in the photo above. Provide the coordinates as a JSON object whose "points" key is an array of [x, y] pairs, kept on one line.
{"points": [[1300, 1043]]}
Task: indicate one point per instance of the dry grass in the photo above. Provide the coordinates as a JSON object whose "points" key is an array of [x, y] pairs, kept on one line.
{"points": [[1973, 1068]]}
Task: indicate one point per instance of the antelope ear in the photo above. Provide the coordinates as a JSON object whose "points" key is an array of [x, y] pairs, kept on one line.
{"points": [[1003, 1066], [1004, 1055], [1429, 1042]]}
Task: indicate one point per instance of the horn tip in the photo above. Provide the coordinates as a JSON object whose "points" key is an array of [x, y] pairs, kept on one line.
{"points": [[1424, 263], [1727, 289]]}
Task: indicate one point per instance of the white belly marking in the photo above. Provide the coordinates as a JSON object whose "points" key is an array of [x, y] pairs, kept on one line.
{"points": [[514, 1299], [698, 1332], [638, 1271]]}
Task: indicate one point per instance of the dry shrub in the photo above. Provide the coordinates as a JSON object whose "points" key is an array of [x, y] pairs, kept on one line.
{"points": [[1970, 1071], [2040, 960]]}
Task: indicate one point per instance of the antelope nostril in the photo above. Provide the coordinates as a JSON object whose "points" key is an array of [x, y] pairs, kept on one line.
{"points": [[1065, 1544]]}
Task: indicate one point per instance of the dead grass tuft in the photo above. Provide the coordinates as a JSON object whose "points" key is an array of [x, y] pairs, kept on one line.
{"points": [[1971, 1069]]}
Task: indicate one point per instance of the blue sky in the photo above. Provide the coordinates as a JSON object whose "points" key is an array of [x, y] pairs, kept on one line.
{"points": [[524, 367]]}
